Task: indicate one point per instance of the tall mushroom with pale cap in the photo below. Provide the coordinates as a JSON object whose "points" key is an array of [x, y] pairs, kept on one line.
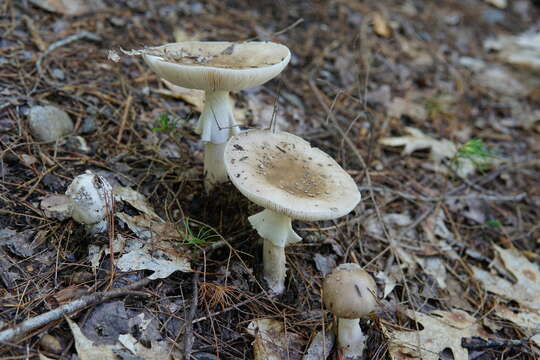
{"points": [[349, 293], [217, 68], [291, 180]]}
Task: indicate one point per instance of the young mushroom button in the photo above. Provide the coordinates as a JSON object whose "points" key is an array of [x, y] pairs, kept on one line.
{"points": [[349, 293], [290, 180], [91, 199], [217, 68]]}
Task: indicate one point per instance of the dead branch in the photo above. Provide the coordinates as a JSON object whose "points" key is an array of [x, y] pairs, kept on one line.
{"points": [[66, 309]]}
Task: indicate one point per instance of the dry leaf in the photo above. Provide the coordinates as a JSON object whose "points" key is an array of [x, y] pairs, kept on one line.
{"points": [[380, 26], [321, 346], [440, 150], [56, 207], [529, 320], [442, 330], [417, 140], [191, 96], [501, 4], [520, 50], [162, 262], [86, 348], [148, 229], [135, 199], [389, 282], [434, 266], [401, 106], [272, 342], [526, 289], [159, 350], [70, 7]]}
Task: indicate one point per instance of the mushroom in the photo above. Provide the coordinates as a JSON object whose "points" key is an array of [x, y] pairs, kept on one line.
{"points": [[217, 68], [91, 199], [349, 293], [290, 180]]}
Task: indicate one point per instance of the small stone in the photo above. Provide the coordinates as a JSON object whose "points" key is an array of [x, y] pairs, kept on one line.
{"points": [[49, 123], [88, 125], [51, 344]]}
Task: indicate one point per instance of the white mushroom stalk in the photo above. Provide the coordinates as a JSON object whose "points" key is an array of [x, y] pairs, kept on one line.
{"points": [[351, 339], [217, 68], [277, 232], [349, 292], [290, 180], [91, 200]]}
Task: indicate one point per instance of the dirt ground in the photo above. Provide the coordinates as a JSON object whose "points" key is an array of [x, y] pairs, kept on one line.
{"points": [[422, 102]]}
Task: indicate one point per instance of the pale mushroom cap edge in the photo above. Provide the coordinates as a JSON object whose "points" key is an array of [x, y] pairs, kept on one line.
{"points": [[283, 173], [219, 65]]}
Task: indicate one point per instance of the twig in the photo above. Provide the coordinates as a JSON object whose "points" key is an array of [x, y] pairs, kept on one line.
{"points": [[69, 308], [284, 30], [411, 197], [125, 116], [477, 343], [55, 45], [188, 332]]}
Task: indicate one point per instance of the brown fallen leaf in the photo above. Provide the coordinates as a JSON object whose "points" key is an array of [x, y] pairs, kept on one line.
{"points": [[191, 96], [380, 25], [442, 330], [86, 349], [135, 199], [526, 289], [272, 342], [526, 319]]}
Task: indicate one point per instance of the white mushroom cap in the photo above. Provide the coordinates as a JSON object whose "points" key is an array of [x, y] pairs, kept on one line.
{"points": [[348, 292], [218, 66], [283, 173], [91, 197]]}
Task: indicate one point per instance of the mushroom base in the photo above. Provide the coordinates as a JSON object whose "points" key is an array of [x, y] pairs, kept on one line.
{"points": [[216, 123], [351, 340], [214, 167], [274, 266], [274, 227]]}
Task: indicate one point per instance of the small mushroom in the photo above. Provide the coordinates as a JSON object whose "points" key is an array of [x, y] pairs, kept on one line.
{"points": [[349, 293], [291, 180], [217, 68], [91, 200]]}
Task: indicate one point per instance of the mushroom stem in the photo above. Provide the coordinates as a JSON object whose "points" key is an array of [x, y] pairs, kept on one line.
{"points": [[216, 123], [214, 167], [276, 230], [274, 266], [351, 340], [275, 227]]}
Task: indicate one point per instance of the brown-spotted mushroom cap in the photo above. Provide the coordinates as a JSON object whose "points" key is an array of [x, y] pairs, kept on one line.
{"points": [[348, 292], [282, 172], [218, 65]]}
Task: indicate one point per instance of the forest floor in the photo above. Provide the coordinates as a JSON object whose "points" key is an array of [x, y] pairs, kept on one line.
{"points": [[433, 107]]}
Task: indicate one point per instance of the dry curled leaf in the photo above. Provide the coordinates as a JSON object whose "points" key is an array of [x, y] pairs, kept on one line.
{"points": [[272, 342], [440, 150], [135, 199]]}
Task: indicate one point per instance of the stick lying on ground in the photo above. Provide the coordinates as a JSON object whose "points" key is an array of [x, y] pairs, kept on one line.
{"points": [[58, 313]]}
